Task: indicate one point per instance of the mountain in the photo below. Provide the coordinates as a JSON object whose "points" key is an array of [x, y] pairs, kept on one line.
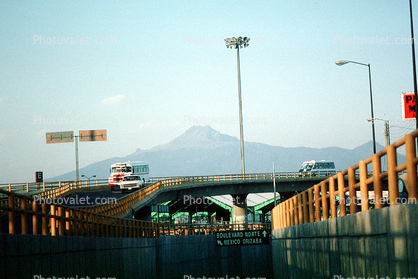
{"points": [[205, 151]]}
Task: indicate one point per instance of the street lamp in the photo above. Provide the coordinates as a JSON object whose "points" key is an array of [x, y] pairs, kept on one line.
{"points": [[238, 43], [343, 62], [88, 177]]}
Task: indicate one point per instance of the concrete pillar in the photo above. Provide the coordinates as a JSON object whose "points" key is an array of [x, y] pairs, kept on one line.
{"points": [[239, 209]]}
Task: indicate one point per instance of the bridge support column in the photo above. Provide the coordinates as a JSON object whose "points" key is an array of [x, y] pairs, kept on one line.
{"points": [[239, 209]]}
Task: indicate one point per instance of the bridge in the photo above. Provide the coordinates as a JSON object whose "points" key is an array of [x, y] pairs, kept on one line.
{"points": [[181, 191], [335, 220]]}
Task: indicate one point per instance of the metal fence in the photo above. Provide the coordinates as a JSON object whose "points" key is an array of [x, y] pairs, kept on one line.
{"points": [[337, 195]]}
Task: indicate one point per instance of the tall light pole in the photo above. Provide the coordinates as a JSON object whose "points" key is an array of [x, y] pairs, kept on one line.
{"points": [[238, 43], [414, 68], [343, 62]]}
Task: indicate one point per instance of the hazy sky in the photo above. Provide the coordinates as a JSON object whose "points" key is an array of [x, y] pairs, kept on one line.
{"points": [[146, 71]]}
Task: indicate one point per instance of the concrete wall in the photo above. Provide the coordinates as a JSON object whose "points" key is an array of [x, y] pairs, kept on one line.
{"points": [[36, 257], [32, 256], [382, 243], [198, 256]]}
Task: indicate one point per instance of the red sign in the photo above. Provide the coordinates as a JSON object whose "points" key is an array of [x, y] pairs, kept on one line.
{"points": [[408, 106]]}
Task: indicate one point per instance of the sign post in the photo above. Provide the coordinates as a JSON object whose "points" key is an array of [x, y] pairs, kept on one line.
{"points": [[247, 237], [68, 136], [39, 176]]}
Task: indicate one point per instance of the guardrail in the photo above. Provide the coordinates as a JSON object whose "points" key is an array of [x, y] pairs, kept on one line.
{"points": [[49, 186], [324, 200], [26, 216]]}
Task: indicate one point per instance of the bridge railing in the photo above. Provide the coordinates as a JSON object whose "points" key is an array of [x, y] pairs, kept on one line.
{"points": [[29, 187], [124, 205], [337, 195], [239, 177], [25, 215]]}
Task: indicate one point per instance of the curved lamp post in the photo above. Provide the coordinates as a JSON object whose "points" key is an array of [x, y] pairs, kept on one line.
{"points": [[238, 43], [343, 62]]}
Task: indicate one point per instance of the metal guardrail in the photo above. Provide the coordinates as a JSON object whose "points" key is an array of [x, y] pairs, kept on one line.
{"points": [[324, 200]]}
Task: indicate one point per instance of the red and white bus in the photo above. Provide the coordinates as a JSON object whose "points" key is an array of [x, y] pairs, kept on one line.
{"points": [[128, 175]]}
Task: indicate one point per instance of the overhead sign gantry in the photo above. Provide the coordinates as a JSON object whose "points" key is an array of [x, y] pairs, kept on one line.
{"points": [[68, 136]]}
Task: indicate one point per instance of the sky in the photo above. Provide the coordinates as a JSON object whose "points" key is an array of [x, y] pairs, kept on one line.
{"points": [[146, 71]]}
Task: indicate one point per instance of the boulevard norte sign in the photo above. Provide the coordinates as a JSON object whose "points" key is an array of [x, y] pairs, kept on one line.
{"points": [[235, 238]]}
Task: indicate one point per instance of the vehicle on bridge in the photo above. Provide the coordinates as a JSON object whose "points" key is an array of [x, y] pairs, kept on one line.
{"points": [[317, 168], [128, 175]]}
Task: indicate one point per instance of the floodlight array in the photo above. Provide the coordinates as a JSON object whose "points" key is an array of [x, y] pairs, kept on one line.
{"points": [[237, 42]]}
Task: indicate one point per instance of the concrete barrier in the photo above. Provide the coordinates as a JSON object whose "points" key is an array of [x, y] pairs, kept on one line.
{"points": [[379, 243], [185, 257]]}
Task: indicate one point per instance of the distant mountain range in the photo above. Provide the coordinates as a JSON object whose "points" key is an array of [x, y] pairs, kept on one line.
{"points": [[205, 151]]}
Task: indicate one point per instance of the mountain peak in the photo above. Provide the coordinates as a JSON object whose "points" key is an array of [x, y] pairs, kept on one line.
{"points": [[199, 137]]}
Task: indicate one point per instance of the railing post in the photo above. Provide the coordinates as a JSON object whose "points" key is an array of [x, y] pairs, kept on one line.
{"points": [[305, 207], [53, 221], [341, 193], [300, 208], [287, 211], [311, 205], [317, 203], [325, 208], [363, 186], [34, 217], [392, 175], [411, 168], [377, 181], [12, 209], [352, 190], [61, 224], [24, 215], [295, 210], [332, 205], [45, 219]]}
